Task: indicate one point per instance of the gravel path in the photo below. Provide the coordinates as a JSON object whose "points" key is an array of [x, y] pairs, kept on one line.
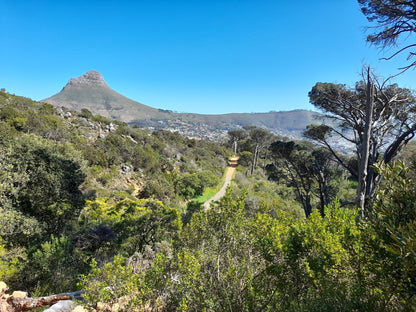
{"points": [[221, 192]]}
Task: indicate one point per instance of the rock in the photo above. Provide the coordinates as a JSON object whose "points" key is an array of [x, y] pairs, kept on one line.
{"points": [[19, 301], [126, 168], [92, 125], [131, 139], [59, 110], [112, 128], [90, 78], [101, 306], [19, 294], [115, 307], [3, 288], [62, 306], [79, 309]]}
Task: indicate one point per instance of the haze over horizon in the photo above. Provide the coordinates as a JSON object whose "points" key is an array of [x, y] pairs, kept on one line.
{"points": [[209, 57]]}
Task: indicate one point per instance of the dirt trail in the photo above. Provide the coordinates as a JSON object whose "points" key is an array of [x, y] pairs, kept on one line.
{"points": [[228, 177]]}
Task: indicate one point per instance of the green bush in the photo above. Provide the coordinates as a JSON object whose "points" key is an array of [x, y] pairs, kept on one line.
{"points": [[393, 219], [54, 267], [190, 185], [8, 263], [85, 113], [47, 176]]}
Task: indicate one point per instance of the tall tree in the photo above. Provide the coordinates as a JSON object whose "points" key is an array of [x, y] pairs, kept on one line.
{"points": [[236, 135], [394, 18], [376, 119], [306, 168], [260, 138]]}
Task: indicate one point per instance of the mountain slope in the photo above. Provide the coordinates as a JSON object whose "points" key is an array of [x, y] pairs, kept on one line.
{"points": [[294, 120], [90, 91]]}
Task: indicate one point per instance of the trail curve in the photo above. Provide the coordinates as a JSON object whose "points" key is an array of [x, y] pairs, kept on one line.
{"points": [[232, 164]]}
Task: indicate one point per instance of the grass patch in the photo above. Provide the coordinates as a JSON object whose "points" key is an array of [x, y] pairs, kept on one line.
{"points": [[210, 191]]}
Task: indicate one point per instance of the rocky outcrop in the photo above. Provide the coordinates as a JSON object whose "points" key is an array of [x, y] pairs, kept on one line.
{"points": [[91, 78], [19, 301]]}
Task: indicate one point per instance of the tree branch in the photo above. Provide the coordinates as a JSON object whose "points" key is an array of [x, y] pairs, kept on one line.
{"points": [[394, 148]]}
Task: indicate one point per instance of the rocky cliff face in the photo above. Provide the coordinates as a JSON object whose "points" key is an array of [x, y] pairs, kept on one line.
{"points": [[91, 78]]}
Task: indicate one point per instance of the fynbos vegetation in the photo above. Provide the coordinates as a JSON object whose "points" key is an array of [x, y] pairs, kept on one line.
{"points": [[94, 206]]}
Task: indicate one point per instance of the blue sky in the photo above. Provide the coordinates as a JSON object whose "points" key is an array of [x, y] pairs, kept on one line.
{"points": [[211, 56]]}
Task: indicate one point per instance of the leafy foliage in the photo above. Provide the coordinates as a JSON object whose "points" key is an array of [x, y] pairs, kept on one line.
{"points": [[394, 219], [114, 284], [135, 224], [95, 203], [308, 169], [192, 185], [226, 260], [376, 119], [8, 263], [394, 19], [46, 180], [54, 267]]}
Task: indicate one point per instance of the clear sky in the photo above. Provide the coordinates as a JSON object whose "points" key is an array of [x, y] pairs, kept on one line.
{"points": [[201, 56]]}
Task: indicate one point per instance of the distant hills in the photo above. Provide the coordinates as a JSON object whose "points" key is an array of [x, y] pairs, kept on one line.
{"points": [[90, 91]]}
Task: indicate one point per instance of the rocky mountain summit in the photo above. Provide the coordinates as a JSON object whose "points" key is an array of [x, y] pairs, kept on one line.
{"points": [[90, 91], [91, 78]]}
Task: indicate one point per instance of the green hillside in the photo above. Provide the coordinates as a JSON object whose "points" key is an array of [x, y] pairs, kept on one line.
{"points": [[90, 203]]}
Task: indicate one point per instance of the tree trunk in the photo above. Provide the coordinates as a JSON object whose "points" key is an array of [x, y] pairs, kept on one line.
{"points": [[307, 206], [323, 195], [364, 151], [305, 200], [253, 164]]}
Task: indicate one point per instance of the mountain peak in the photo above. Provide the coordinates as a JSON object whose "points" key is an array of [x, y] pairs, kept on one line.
{"points": [[92, 92], [91, 78]]}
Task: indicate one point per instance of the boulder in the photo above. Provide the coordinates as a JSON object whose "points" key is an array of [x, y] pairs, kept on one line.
{"points": [[62, 306], [3, 288], [79, 309], [19, 294]]}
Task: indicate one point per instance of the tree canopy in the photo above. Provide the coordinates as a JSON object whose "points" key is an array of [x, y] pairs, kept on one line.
{"points": [[377, 120], [306, 168], [394, 19]]}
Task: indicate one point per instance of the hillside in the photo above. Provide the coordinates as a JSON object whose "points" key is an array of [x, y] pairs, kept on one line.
{"points": [[90, 91], [93, 204], [289, 123]]}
